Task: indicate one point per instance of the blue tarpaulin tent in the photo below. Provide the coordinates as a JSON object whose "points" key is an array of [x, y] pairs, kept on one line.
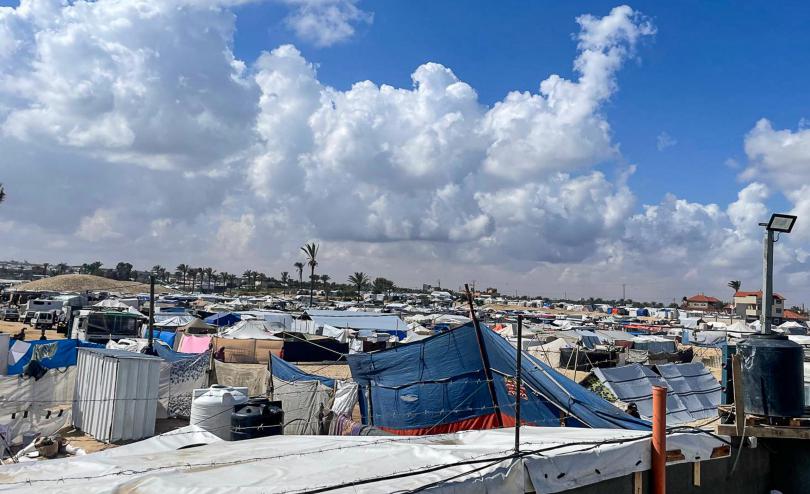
{"points": [[223, 319], [58, 353], [440, 384], [288, 372]]}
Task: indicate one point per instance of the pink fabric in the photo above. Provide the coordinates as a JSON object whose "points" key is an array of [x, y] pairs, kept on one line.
{"points": [[194, 344]]}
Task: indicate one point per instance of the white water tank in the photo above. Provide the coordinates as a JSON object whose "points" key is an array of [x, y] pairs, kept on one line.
{"points": [[211, 408]]}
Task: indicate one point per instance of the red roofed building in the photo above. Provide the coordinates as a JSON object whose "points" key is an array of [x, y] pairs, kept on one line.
{"points": [[703, 302], [749, 306], [792, 315]]}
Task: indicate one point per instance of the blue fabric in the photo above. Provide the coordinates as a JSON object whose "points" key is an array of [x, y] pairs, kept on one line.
{"points": [[65, 356], [223, 319], [288, 372], [166, 353], [441, 379], [166, 336]]}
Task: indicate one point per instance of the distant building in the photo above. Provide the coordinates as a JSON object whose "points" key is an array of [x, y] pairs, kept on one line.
{"points": [[792, 315], [701, 302], [748, 305]]}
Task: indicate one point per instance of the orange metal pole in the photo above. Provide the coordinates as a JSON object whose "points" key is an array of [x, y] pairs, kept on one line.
{"points": [[659, 440]]}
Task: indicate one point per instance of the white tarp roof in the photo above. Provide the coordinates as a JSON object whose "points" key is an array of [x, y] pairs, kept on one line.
{"points": [[301, 463], [253, 329]]}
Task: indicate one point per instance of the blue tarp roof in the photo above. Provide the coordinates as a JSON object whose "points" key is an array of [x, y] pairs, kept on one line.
{"points": [[63, 354], [439, 385], [288, 372], [223, 319]]}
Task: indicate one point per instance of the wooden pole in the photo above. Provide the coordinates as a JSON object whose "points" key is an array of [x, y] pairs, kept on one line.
{"points": [[484, 358], [659, 440], [150, 338], [739, 394], [518, 380]]}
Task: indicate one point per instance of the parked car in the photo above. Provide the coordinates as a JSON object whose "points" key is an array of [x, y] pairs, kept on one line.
{"points": [[9, 314], [44, 320], [29, 314]]}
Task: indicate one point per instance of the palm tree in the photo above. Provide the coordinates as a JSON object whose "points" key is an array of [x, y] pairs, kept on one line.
{"points": [[311, 251], [182, 270], [300, 267], [61, 268], [45, 269], [359, 280], [735, 285], [210, 272], [2, 193], [248, 274], [325, 279]]}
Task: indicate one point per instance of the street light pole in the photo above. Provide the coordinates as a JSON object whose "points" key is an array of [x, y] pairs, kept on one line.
{"points": [[767, 284]]}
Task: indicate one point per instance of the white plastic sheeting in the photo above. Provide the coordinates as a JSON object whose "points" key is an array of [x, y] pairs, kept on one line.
{"points": [[47, 401], [572, 457], [345, 397], [252, 329]]}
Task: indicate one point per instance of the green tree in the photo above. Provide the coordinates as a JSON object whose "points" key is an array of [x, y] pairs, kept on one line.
{"points": [[182, 270], [2, 193], [384, 286], [360, 281], [325, 279], [61, 268], [311, 252], [300, 267], [123, 270]]}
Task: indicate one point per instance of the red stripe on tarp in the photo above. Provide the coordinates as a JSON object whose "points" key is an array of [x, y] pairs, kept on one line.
{"points": [[489, 421]]}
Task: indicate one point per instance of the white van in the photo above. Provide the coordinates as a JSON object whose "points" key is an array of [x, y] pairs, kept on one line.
{"points": [[44, 320]]}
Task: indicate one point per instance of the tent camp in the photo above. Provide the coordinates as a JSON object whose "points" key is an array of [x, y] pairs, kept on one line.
{"points": [[463, 379], [387, 323]]}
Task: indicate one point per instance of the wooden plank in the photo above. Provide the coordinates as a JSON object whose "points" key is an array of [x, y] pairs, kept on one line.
{"points": [[739, 394], [766, 431], [696, 474], [721, 451], [637, 487], [675, 455]]}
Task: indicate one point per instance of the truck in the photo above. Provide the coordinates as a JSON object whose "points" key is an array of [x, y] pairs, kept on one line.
{"points": [[101, 326], [43, 305]]}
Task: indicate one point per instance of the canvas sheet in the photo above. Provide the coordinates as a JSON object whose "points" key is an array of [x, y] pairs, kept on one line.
{"points": [[252, 376], [304, 403], [345, 398], [40, 405], [301, 463]]}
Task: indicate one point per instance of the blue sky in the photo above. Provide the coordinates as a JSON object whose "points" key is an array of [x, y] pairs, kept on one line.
{"points": [[243, 152], [710, 72]]}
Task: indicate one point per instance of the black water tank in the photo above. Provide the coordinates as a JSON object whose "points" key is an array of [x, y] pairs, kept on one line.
{"points": [[773, 375], [259, 417]]}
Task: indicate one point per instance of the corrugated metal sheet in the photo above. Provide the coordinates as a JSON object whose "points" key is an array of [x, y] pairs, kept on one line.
{"points": [[116, 394]]}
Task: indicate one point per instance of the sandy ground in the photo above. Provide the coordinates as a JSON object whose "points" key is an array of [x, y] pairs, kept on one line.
{"points": [[31, 334]]}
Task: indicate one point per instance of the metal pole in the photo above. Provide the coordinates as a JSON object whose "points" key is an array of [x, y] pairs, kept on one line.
{"points": [[151, 313], [518, 381], [659, 440], [484, 358], [767, 284]]}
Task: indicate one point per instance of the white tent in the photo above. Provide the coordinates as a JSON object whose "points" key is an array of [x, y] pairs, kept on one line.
{"points": [[252, 329]]}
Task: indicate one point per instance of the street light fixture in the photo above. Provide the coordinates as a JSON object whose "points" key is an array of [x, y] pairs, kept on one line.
{"points": [[779, 223], [782, 223]]}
